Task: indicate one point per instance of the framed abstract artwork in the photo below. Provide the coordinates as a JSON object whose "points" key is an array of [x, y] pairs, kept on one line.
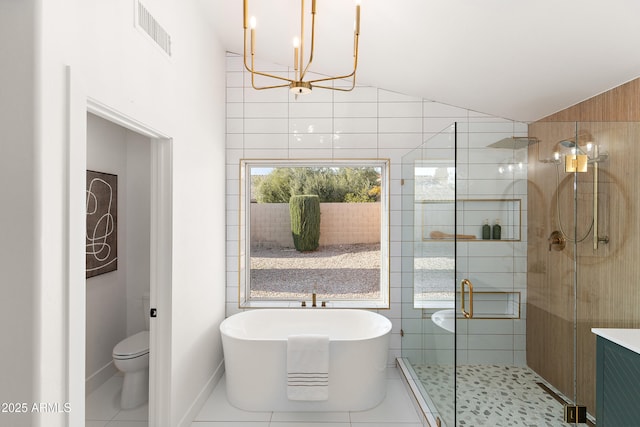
{"points": [[102, 223]]}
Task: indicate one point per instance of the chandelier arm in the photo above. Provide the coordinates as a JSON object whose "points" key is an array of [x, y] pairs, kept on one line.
{"points": [[352, 74], [301, 59], [335, 88], [326, 79], [313, 42], [268, 87], [353, 84], [260, 73], [244, 52]]}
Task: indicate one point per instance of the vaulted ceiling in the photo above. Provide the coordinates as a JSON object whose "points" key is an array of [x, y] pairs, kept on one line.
{"points": [[518, 59]]}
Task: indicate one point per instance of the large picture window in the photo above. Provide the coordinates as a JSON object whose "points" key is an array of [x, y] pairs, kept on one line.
{"points": [[314, 227]]}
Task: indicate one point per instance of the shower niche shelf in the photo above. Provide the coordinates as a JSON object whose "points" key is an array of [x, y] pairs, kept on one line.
{"points": [[487, 305], [493, 305], [437, 224]]}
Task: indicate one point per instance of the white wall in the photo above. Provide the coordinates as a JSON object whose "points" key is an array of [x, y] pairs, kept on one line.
{"points": [[182, 97], [366, 123], [19, 249], [199, 207]]}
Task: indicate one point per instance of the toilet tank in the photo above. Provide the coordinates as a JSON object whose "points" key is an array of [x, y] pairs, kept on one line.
{"points": [[146, 306]]}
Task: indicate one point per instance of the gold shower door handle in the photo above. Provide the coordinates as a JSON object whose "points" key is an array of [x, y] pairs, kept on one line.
{"points": [[463, 284]]}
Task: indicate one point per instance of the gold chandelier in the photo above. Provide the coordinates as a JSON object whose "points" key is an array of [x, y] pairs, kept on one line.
{"points": [[298, 85]]}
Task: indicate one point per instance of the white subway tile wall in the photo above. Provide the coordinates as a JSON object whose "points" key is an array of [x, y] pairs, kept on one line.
{"points": [[375, 123]]}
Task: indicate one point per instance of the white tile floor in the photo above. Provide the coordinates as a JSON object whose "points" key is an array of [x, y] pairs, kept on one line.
{"points": [[103, 407], [396, 410]]}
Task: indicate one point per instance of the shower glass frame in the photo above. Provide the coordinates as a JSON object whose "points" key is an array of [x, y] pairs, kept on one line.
{"points": [[425, 343], [429, 265]]}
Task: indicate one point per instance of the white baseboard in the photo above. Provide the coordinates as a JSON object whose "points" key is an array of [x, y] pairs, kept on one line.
{"points": [[99, 377], [204, 394]]}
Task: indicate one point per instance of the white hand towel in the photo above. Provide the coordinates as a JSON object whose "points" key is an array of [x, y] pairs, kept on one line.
{"points": [[308, 367]]}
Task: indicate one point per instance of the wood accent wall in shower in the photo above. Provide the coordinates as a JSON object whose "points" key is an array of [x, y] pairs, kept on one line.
{"points": [[608, 279]]}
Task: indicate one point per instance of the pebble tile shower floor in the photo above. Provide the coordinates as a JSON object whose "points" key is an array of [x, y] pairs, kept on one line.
{"points": [[505, 396]]}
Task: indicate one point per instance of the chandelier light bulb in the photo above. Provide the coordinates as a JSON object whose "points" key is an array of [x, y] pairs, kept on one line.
{"points": [[296, 55], [252, 22]]}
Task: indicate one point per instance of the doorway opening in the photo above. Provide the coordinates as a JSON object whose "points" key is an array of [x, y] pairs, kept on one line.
{"points": [[119, 304]]}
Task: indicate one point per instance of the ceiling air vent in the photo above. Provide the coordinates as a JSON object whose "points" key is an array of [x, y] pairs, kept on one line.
{"points": [[146, 22]]}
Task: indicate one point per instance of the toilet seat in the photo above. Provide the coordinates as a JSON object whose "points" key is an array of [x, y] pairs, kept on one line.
{"points": [[134, 346]]}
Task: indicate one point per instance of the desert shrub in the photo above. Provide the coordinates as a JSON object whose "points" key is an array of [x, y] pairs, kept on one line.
{"points": [[305, 222]]}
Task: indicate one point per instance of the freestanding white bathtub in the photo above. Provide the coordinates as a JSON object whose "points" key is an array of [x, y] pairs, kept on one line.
{"points": [[255, 353]]}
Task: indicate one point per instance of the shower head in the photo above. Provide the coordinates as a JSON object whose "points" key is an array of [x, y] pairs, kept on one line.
{"points": [[571, 144], [568, 144], [578, 141], [514, 142]]}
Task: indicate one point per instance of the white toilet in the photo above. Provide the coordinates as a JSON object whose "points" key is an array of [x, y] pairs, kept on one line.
{"points": [[131, 356]]}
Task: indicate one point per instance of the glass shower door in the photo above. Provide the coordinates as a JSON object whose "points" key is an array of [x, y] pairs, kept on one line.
{"points": [[464, 289], [584, 166], [428, 272], [494, 387]]}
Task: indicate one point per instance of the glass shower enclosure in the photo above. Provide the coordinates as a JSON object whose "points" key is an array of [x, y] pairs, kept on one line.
{"points": [[498, 221]]}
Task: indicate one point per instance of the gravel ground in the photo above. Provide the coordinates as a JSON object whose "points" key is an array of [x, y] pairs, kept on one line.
{"points": [[434, 279], [333, 272]]}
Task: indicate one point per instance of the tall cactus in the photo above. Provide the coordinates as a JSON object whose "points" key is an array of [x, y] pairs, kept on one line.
{"points": [[305, 222]]}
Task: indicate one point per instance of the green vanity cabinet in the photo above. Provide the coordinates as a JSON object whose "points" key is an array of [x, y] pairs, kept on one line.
{"points": [[617, 378]]}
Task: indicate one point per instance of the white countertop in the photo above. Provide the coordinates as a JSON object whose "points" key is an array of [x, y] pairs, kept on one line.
{"points": [[627, 338]]}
